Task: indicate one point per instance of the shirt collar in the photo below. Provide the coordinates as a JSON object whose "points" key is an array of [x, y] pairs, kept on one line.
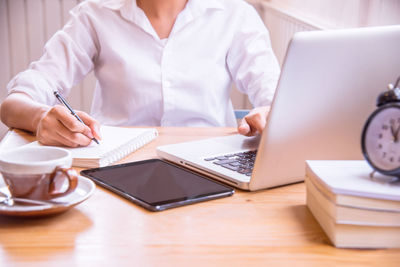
{"points": [[113, 4], [198, 7], [130, 11]]}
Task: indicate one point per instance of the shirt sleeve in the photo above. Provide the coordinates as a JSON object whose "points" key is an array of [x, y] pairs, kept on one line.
{"points": [[251, 60], [68, 57]]}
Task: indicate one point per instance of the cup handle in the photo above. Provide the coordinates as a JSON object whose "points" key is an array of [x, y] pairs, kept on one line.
{"points": [[72, 177]]}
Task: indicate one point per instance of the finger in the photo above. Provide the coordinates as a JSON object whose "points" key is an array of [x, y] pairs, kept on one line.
{"points": [[93, 124], [256, 123], [244, 128], [51, 130], [58, 134], [58, 140], [71, 123], [73, 139]]}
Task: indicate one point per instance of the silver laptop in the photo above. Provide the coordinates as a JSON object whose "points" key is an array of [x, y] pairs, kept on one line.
{"points": [[328, 86]]}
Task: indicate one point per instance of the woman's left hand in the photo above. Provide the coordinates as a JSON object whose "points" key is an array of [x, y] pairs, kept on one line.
{"points": [[254, 122]]}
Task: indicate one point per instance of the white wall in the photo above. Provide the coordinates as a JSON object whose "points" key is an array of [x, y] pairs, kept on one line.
{"points": [[343, 13]]}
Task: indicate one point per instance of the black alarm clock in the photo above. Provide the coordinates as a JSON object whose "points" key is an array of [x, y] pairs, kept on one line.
{"points": [[380, 140]]}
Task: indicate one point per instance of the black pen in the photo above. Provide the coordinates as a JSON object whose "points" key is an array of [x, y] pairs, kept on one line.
{"points": [[63, 101]]}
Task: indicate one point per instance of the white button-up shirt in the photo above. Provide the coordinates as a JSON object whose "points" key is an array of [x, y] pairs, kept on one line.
{"points": [[184, 80]]}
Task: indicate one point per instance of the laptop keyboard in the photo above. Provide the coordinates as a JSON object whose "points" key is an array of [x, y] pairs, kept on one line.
{"points": [[242, 162]]}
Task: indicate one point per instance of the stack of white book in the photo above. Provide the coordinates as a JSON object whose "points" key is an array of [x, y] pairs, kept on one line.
{"points": [[354, 210]]}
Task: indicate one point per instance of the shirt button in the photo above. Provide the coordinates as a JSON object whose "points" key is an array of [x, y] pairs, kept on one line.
{"points": [[167, 83]]}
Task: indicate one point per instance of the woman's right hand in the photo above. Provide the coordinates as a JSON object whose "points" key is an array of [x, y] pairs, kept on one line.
{"points": [[52, 125], [57, 126]]}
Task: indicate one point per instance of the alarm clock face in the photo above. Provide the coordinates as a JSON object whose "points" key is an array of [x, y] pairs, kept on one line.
{"points": [[381, 138]]}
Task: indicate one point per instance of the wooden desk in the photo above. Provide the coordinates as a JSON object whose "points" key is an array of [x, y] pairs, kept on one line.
{"points": [[249, 228]]}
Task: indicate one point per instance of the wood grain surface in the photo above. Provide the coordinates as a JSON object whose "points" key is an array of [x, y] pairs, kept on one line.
{"points": [[268, 227]]}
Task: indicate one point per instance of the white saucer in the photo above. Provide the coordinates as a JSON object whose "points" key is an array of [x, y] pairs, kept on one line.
{"points": [[82, 192]]}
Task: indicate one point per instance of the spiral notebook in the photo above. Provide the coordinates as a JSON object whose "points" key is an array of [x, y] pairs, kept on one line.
{"points": [[116, 143]]}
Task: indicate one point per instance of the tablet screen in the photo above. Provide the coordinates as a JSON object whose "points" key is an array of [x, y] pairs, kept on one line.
{"points": [[157, 184]]}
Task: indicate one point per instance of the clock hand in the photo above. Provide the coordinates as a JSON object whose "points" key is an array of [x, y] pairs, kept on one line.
{"points": [[394, 133]]}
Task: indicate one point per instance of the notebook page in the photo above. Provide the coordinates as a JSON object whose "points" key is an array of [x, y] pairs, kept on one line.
{"points": [[116, 143], [112, 138]]}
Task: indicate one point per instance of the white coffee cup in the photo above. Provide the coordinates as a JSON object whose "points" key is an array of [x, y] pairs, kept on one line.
{"points": [[38, 172]]}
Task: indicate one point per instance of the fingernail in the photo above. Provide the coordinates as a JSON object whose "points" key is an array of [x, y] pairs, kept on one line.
{"points": [[90, 135]]}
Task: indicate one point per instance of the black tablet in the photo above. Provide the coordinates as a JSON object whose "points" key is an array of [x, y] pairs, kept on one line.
{"points": [[157, 185]]}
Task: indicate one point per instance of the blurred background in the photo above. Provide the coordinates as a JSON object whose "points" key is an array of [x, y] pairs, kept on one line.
{"points": [[26, 25]]}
